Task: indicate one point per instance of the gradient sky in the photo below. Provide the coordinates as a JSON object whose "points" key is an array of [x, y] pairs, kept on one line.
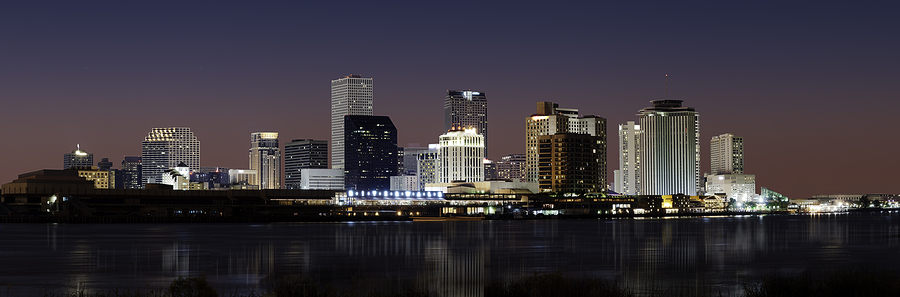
{"points": [[812, 87]]}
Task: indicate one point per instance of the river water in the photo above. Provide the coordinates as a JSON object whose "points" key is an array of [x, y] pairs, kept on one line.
{"points": [[449, 258]]}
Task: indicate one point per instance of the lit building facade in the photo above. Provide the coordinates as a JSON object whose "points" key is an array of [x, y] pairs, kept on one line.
{"points": [[669, 149], [101, 178], [321, 179], [511, 167], [569, 162], [265, 158], [405, 183], [467, 109], [550, 120], [740, 187], [241, 176], [426, 167], [460, 156], [302, 154], [350, 95], [129, 177], [165, 148], [370, 152], [78, 158], [726, 154], [628, 175]]}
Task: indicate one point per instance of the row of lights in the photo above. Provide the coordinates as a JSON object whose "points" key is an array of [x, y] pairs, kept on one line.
{"points": [[396, 194]]}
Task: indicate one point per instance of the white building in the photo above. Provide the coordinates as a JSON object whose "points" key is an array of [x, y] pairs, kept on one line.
{"points": [[460, 156], [350, 95], [552, 120], [740, 187], [265, 158], [628, 175], [405, 183], [321, 179], [242, 176], [669, 149], [726, 153], [165, 148]]}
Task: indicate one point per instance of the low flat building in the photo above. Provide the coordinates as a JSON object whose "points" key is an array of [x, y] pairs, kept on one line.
{"points": [[321, 179]]}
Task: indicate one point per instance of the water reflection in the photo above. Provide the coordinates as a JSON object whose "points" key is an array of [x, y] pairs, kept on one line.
{"points": [[447, 258]]}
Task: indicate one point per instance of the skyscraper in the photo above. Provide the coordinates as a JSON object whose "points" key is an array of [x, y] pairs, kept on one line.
{"points": [[628, 179], [570, 162], [726, 154], [669, 149], [302, 154], [460, 157], [265, 158], [350, 95], [467, 109], [550, 120], [78, 158], [129, 177], [370, 150], [164, 149], [426, 165]]}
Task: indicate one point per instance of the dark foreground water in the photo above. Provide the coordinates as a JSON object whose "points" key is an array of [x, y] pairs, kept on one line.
{"points": [[450, 258]]}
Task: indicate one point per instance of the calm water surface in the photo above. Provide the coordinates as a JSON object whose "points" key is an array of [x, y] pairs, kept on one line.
{"points": [[450, 258]]}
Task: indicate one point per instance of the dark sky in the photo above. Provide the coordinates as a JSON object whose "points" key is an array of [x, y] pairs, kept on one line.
{"points": [[812, 87]]}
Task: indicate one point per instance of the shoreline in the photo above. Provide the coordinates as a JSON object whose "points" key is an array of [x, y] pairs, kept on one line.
{"points": [[338, 219]]}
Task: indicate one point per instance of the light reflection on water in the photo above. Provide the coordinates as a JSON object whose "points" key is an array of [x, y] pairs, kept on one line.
{"points": [[448, 258]]}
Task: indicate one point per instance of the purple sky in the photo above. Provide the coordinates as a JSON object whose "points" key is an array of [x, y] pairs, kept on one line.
{"points": [[810, 87]]}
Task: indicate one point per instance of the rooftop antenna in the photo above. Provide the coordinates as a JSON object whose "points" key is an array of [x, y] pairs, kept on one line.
{"points": [[667, 86], [78, 146]]}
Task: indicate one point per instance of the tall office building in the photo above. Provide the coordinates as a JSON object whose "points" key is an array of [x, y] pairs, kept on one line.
{"points": [[409, 158], [370, 150], [350, 95], [265, 158], [628, 175], [570, 162], [467, 109], [726, 154], [669, 149], [78, 158], [302, 154], [460, 157], [164, 149], [426, 167], [511, 167], [129, 177], [550, 120]]}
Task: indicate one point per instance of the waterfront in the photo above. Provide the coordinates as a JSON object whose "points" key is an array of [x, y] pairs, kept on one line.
{"points": [[453, 258]]}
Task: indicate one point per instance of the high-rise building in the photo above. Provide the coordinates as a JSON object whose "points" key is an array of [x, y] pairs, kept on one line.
{"points": [[726, 154], [569, 162], [129, 177], [370, 152], [78, 158], [460, 157], [104, 164], [302, 154], [265, 158], [467, 109], [669, 149], [164, 149], [426, 167], [511, 167], [490, 169], [550, 120], [350, 95], [628, 175]]}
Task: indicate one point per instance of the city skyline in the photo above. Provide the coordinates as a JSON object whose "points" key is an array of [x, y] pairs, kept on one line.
{"points": [[783, 76]]}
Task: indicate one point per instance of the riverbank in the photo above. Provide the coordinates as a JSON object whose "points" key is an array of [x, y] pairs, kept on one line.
{"points": [[385, 218]]}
